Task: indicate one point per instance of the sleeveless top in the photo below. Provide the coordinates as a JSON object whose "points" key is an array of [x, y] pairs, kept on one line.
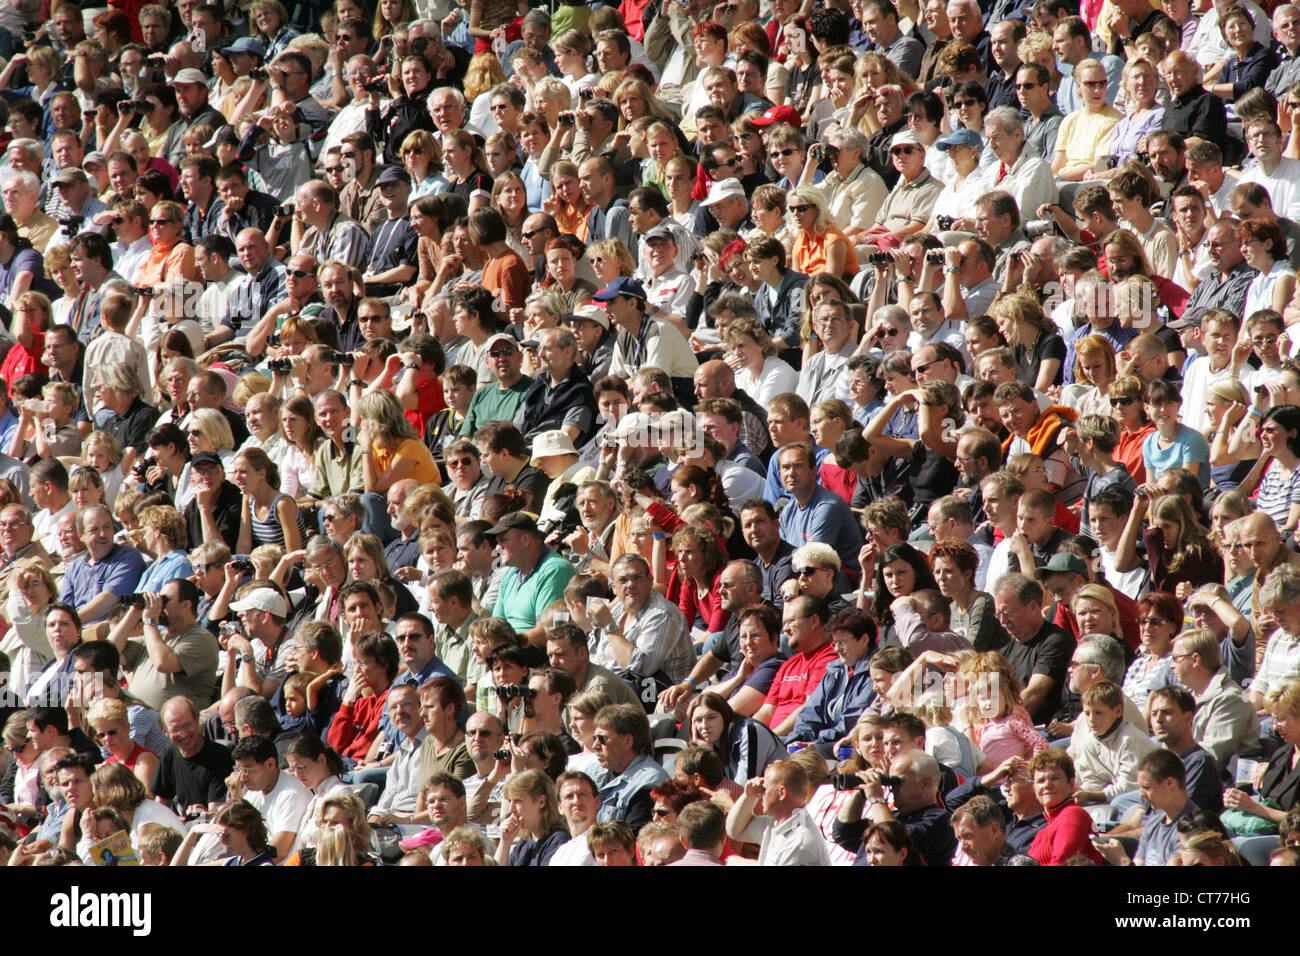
{"points": [[268, 530]]}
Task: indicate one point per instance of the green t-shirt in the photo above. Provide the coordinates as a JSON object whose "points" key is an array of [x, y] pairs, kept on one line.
{"points": [[492, 403], [522, 600]]}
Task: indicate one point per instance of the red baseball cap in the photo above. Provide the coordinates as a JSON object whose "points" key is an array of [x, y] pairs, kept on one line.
{"points": [[781, 114]]}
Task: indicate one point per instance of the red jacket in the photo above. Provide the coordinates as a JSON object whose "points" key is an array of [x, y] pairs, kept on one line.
{"points": [[356, 725], [1066, 836]]}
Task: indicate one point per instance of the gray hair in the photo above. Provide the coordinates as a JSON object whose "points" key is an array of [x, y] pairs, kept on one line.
{"points": [[1282, 586], [348, 505], [564, 338], [254, 711], [320, 542], [1025, 588], [181, 362], [455, 94], [121, 377], [848, 137], [28, 182], [32, 147], [922, 767], [1007, 118], [1107, 653]]}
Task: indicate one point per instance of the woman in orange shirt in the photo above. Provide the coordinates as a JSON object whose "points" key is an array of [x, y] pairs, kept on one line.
{"points": [[505, 275], [818, 246], [170, 258]]}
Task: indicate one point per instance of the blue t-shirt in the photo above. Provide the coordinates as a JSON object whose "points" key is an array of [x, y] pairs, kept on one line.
{"points": [[1188, 448]]}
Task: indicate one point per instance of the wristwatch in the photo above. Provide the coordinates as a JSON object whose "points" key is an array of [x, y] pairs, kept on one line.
{"points": [[151, 622], [246, 658]]}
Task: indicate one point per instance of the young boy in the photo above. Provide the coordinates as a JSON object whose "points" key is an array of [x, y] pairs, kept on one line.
{"points": [[296, 718], [1266, 337], [1094, 441], [1037, 538], [1219, 329], [458, 385], [1106, 760], [1173, 444], [1107, 511], [157, 844]]}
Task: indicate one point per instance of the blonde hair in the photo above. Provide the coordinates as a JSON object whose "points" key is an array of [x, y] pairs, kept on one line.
{"points": [[1102, 595], [215, 428]]}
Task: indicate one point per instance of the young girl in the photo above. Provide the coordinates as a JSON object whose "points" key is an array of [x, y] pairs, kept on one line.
{"points": [[999, 724], [1178, 552], [1172, 444], [296, 718], [101, 451]]}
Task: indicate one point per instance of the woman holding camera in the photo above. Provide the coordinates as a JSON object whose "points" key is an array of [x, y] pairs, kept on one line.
{"points": [[958, 197], [269, 515]]}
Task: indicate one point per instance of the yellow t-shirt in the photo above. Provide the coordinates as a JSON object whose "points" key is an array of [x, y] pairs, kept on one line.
{"points": [[1084, 136], [425, 470]]}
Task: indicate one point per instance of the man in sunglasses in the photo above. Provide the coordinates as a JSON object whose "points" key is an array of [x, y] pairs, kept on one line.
{"points": [[1034, 93]]}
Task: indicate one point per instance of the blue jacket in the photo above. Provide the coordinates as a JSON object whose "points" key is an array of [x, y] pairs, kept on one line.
{"points": [[835, 704]]}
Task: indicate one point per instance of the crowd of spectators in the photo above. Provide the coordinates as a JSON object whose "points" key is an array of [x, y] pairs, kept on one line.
{"points": [[758, 432]]}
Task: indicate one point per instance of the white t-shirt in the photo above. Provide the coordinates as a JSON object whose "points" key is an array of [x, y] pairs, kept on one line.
{"points": [[284, 807]]}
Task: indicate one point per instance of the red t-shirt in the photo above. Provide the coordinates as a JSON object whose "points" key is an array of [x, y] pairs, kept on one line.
{"points": [[432, 401], [21, 361], [795, 680]]}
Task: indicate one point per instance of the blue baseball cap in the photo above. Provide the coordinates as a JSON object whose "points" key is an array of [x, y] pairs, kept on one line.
{"points": [[621, 286], [248, 45], [960, 137]]}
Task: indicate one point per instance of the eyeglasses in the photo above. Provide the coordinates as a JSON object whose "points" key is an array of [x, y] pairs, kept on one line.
{"points": [[1151, 621], [1123, 401], [502, 353], [536, 232], [804, 572], [800, 210], [922, 369], [1092, 84], [1264, 339], [904, 150], [413, 151], [299, 273], [329, 518], [602, 739], [786, 152], [333, 169], [962, 104], [162, 222], [1027, 86], [195, 433], [484, 732]]}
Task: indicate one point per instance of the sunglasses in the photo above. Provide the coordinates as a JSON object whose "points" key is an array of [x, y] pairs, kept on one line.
{"points": [[786, 152], [804, 572], [535, 233], [903, 150], [162, 222], [414, 151], [502, 353], [1124, 401], [195, 434], [298, 273], [1027, 86], [333, 169], [800, 210], [962, 104], [1092, 84]]}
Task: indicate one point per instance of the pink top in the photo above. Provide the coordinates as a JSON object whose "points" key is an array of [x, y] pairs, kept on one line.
{"points": [[1009, 736]]}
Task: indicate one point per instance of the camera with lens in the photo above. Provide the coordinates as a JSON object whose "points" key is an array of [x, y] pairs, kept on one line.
{"points": [[341, 358], [273, 340], [285, 210], [133, 600], [501, 755], [845, 781], [824, 156], [72, 223], [567, 118], [515, 692], [134, 106], [143, 291], [258, 73], [420, 45], [280, 365], [1035, 228], [377, 86], [893, 782], [944, 222], [155, 62], [1018, 256], [141, 466], [880, 259], [242, 565]]}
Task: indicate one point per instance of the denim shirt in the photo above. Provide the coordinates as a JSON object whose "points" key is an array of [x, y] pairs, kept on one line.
{"points": [[617, 791], [835, 704]]}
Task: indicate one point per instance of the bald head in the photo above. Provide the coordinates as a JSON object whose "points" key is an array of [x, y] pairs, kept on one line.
{"points": [[714, 379]]}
